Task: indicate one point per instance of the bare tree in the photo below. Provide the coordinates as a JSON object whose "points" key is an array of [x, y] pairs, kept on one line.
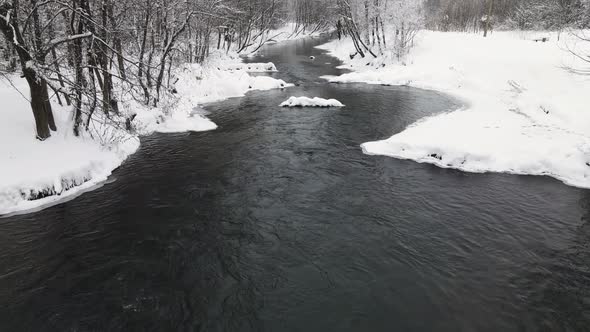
{"points": [[86, 52], [31, 53]]}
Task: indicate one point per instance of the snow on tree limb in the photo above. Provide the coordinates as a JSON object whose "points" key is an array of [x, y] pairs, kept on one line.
{"points": [[58, 41]]}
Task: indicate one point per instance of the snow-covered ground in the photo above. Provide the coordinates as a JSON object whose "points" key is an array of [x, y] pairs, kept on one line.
{"points": [[222, 76], [524, 111], [36, 174], [61, 164], [311, 102]]}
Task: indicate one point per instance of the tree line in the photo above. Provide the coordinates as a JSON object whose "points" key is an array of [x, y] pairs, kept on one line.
{"points": [[371, 24], [476, 15], [79, 52]]}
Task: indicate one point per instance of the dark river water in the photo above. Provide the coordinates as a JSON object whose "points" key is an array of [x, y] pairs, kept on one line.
{"points": [[278, 222]]}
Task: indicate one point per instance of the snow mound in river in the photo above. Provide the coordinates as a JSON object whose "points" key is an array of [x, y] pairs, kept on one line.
{"points": [[311, 102]]}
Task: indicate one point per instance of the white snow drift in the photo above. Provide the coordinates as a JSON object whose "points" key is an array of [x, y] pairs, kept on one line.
{"points": [[311, 102], [525, 112]]}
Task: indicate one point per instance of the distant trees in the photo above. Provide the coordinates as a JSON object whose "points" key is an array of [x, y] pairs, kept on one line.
{"points": [[312, 15], [486, 20], [477, 15], [377, 26], [465, 15], [352, 13], [407, 18], [85, 53], [551, 14], [371, 23]]}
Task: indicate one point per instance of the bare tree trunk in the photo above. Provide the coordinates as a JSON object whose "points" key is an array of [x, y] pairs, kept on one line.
{"points": [[41, 60], [38, 89], [383, 34], [40, 105], [488, 18], [367, 23], [107, 86], [117, 42], [218, 38], [77, 56], [142, 52]]}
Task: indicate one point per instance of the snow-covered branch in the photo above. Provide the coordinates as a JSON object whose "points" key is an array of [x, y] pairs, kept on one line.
{"points": [[58, 41]]}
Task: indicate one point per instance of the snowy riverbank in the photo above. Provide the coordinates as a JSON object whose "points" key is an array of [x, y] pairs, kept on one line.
{"points": [[35, 174], [222, 76], [524, 113]]}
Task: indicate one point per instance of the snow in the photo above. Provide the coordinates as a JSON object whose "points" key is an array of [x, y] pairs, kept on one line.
{"points": [[524, 112], [311, 102], [210, 82], [222, 76], [36, 174], [62, 165]]}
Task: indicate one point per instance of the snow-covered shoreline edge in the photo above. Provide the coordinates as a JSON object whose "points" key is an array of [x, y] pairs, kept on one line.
{"points": [[24, 191], [522, 113]]}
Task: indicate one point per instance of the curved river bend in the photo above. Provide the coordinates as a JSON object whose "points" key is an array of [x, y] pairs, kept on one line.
{"points": [[277, 222]]}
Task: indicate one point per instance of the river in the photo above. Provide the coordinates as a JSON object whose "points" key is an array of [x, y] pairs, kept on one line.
{"points": [[277, 221]]}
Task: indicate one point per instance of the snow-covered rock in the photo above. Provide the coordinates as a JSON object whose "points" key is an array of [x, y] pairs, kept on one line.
{"points": [[261, 67], [524, 112], [311, 102]]}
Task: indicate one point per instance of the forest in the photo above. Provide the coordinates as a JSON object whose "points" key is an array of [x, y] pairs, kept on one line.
{"points": [[78, 52]]}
